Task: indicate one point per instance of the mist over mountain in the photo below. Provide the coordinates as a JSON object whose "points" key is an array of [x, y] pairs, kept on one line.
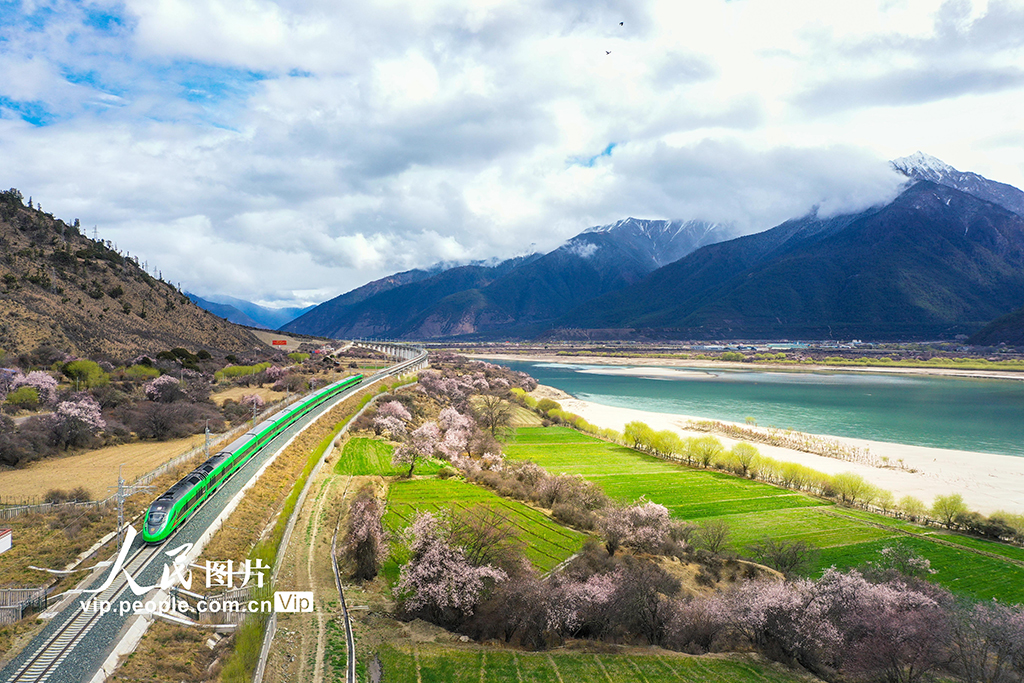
{"points": [[936, 262], [515, 297], [244, 312]]}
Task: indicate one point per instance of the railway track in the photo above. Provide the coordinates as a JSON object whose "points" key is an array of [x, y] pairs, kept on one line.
{"points": [[55, 649]]}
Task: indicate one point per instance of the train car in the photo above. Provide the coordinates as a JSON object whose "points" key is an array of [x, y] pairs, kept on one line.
{"points": [[176, 504]]}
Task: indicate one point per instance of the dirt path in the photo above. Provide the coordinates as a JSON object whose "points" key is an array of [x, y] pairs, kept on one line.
{"points": [[300, 648]]}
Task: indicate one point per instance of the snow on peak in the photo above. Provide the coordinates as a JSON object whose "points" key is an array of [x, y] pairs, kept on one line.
{"points": [[923, 165]]}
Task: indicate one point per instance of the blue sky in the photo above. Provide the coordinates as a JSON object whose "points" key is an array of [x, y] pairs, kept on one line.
{"points": [[288, 151]]}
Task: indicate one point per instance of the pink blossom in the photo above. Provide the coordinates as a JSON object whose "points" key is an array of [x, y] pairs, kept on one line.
{"points": [[438, 579], [252, 401], [450, 418], [42, 382], [394, 409], [453, 444], [425, 438], [164, 388], [390, 425], [275, 373], [571, 600]]}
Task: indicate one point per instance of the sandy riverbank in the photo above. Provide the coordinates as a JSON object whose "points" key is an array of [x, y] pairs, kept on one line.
{"points": [[988, 482], [692, 363]]}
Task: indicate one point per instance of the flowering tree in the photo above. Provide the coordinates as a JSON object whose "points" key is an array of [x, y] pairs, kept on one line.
{"points": [[454, 443], [42, 382], [425, 439], [252, 401], [572, 602], [450, 418], [390, 425], [163, 389], [438, 581], [643, 526], [394, 409], [275, 372], [75, 420], [365, 538], [898, 560]]}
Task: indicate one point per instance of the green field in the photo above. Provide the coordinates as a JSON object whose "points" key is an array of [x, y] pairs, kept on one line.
{"points": [[362, 456], [546, 542], [847, 538], [441, 665]]}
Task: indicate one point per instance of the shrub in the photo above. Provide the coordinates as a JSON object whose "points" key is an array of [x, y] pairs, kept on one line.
{"points": [[22, 398]]}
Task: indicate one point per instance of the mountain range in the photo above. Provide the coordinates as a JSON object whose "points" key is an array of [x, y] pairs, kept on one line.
{"points": [[242, 312], [936, 262], [517, 297]]}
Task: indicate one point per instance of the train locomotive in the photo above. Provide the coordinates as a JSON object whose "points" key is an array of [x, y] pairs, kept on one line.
{"points": [[171, 509]]}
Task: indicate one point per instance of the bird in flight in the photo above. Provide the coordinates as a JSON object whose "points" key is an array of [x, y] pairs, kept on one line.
{"points": [[607, 52], [622, 23]]}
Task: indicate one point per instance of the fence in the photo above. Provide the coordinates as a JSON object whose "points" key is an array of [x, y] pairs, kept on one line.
{"points": [[16, 602], [23, 509]]}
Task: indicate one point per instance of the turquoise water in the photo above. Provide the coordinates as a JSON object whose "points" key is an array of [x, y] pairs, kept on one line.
{"points": [[943, 412]]}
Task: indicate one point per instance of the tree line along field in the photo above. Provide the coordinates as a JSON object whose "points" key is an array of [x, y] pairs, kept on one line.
{"points": [[435, 664], [546, 543], [753, 510]]}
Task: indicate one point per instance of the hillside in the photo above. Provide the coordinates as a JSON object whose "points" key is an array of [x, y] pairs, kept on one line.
{"points": [[1009, 330], [518, 297], [935, 262], [60, 288]]}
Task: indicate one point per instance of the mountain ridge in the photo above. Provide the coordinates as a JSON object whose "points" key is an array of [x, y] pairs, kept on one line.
{"points": [[517, 296], [59, 288]]}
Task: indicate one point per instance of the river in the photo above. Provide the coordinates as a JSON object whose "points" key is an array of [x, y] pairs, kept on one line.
{"points": [[984, 415]]}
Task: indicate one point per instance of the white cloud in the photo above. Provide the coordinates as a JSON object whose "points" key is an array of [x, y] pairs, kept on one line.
{"points": [[289, 151]]}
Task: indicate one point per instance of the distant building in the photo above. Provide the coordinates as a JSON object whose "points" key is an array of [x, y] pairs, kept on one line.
{"points": [[6, 536]]}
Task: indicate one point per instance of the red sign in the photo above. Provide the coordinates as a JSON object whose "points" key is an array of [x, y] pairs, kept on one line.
{"points": [[279, 342]]}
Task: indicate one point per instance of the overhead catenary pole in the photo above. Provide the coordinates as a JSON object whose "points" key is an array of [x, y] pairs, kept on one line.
{"points": [[123, 492]]}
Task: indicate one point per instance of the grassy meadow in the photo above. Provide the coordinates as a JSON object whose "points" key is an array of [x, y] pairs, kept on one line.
{"points": [[546, 542], [363, 456], [847, 538], [435, 664]]}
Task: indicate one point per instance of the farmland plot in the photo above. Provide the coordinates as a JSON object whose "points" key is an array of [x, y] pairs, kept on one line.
{"points": [[847, 538], [546, 542]]}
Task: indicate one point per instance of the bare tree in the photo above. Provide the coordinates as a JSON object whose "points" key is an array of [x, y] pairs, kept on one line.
{"points": [[712, 535], [494, 414]]}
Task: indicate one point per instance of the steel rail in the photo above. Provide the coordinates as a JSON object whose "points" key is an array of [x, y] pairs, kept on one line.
{"points": [[56, 648]]}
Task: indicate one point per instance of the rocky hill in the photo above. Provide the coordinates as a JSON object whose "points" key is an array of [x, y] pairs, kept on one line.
{"points": [[58, 287]]}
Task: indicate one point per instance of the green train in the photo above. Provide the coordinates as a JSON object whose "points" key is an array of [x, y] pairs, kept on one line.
{"points": [[172, 508]]}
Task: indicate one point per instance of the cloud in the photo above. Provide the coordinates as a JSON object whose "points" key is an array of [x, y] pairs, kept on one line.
{"points": [[285, 151], [912, 86]]}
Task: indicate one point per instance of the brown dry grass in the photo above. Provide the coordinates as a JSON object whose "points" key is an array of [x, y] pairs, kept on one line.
{"points": [[95, 470], [236, 393], [173, 653]]}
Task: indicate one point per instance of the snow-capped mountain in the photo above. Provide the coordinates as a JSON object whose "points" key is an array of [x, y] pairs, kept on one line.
{"points": [[515, 296], [661, 241], [921, 166]]}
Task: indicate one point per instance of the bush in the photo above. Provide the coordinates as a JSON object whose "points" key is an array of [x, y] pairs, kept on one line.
{"points": [[22, 398], [575, 516]]}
